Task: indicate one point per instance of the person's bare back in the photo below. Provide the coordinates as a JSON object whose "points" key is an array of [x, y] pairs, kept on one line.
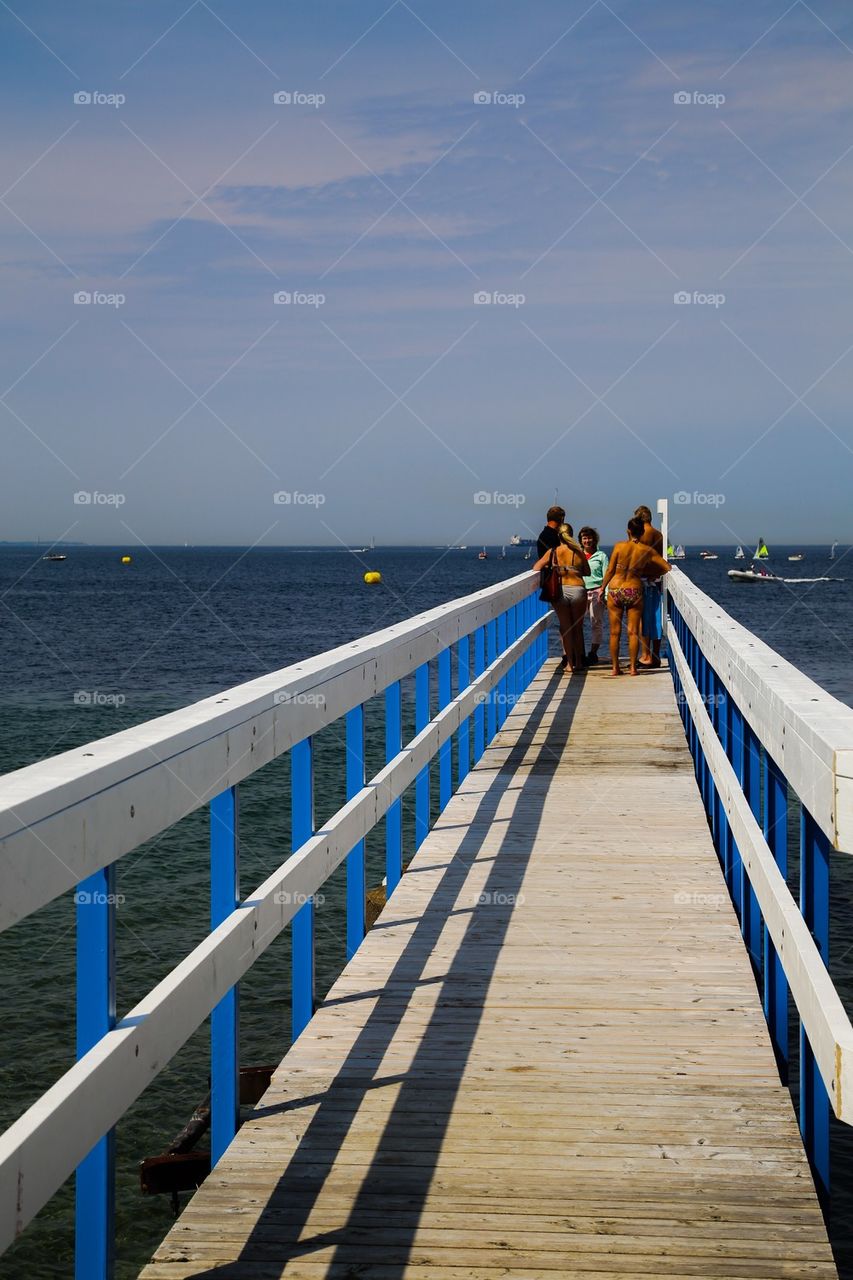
{"points": [[630, 562]]}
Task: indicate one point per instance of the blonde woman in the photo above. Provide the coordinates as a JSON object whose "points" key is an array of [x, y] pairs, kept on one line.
{"points": [[570, 608]]}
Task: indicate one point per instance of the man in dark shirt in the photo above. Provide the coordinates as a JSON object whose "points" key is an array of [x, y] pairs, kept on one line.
{"points": [[550, 535]]}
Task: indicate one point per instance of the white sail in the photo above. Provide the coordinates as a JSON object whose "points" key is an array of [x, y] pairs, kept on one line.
{"points": [[740, 554]]}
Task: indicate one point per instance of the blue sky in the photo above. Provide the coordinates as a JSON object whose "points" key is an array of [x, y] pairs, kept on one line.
{"points": [[382, 398]]}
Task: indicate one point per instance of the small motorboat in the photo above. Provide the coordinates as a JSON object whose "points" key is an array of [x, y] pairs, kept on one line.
{"points": [[708, 555], [751, 575], [799, 556], [482, 555], [55, 556]]}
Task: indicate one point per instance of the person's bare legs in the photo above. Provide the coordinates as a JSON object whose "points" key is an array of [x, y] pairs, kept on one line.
{"points": [[635, 617], [615, 614]]}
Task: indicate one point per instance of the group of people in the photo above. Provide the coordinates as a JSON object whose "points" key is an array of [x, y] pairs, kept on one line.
{"points": [[627, 583]]}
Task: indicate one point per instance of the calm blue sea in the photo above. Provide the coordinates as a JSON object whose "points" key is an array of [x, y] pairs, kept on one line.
{"points": [[91, 646]]}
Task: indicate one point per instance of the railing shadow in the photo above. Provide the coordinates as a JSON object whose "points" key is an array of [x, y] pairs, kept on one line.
{"points": [[388, 1201]]}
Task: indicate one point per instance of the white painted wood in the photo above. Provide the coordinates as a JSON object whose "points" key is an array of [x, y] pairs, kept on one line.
{"points": [[46, 1144], [807, 732], [64, 818], [824, 1018]]}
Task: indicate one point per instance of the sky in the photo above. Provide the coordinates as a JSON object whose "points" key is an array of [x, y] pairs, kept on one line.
{"points": [[404, 269]]}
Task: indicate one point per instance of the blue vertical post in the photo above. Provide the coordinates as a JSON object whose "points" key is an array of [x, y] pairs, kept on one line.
{"points": [[302, 978], [225, 1017], [445, 696], [95, 906], [394, 816], [814, 904], [752, 790], [479, 710], [775, 983], [356, 871], [491, 705], [511, 676], [422, 780], [463, 679], [736, 755], [725, 730], [502, 683]]}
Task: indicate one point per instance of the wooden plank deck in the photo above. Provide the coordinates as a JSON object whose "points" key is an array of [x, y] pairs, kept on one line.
{"points": [[548, 1058]]}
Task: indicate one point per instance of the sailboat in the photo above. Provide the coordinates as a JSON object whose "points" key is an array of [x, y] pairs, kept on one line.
{"points": [[502, 555], [670, 551], [740, 554], [832, 552], [761, 551], [528, 555], [679, 553], [482, 555]]}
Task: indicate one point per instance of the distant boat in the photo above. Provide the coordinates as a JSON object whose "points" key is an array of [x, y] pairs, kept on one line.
{"points": [[751, 575], [832, 552], [360, 550], [761, 551], [502, 555], [679, 553], [482, 555], [515, 541], [54, 555], [740, 554], [708, 555], [528, 555], [798, 556], [670, 551]]}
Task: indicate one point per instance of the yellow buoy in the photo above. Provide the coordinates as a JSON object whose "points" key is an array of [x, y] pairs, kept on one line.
{"points": [[125, 559], [372, 576]]}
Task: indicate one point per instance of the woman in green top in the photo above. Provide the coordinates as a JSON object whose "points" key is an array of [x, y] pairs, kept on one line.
{"points": [[598, 562]]}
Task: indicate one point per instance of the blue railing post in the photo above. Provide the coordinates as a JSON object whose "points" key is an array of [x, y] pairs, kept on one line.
{"points": [[814, 904], [445, 697], [356, 870], [479, 710], [502, 683], [225, 1017], [736, 758], [775, 983], [95, 907], [463, 679], [302, 928], [422, 780], [394, 816], [725, 732], [491, 705], [752, 790], [511, 675]]}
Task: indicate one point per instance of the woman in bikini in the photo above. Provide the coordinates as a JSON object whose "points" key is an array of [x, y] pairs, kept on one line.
{"points": [[630, 562], [571, 607]]}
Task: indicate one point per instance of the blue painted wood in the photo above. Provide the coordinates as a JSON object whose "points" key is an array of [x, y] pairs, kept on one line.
{"points": [[394, 817], [302, 928], [512, 674], [736, 757], [491, 655], [225, 1018], [479, 710], [463, 679], [752, 790], [95, 907], [356, 870], [422, 780], [814, 904], [502, 683], [445, 697], [727, 841], [775, 983]]}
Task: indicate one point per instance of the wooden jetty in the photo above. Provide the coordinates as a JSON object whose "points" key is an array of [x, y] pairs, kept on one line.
{"points": [[549, 1055]]}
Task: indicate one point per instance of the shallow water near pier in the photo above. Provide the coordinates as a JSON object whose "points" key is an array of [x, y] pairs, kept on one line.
{"points": [[91, 646]]}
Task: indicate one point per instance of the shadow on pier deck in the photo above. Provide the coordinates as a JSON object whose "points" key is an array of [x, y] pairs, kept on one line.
{"points": [[549, 1054]]}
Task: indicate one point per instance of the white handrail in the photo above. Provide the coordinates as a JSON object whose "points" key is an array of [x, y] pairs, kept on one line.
{"points": [[818, 1003], [41, 1149], [807, 732], [67, 817]]}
